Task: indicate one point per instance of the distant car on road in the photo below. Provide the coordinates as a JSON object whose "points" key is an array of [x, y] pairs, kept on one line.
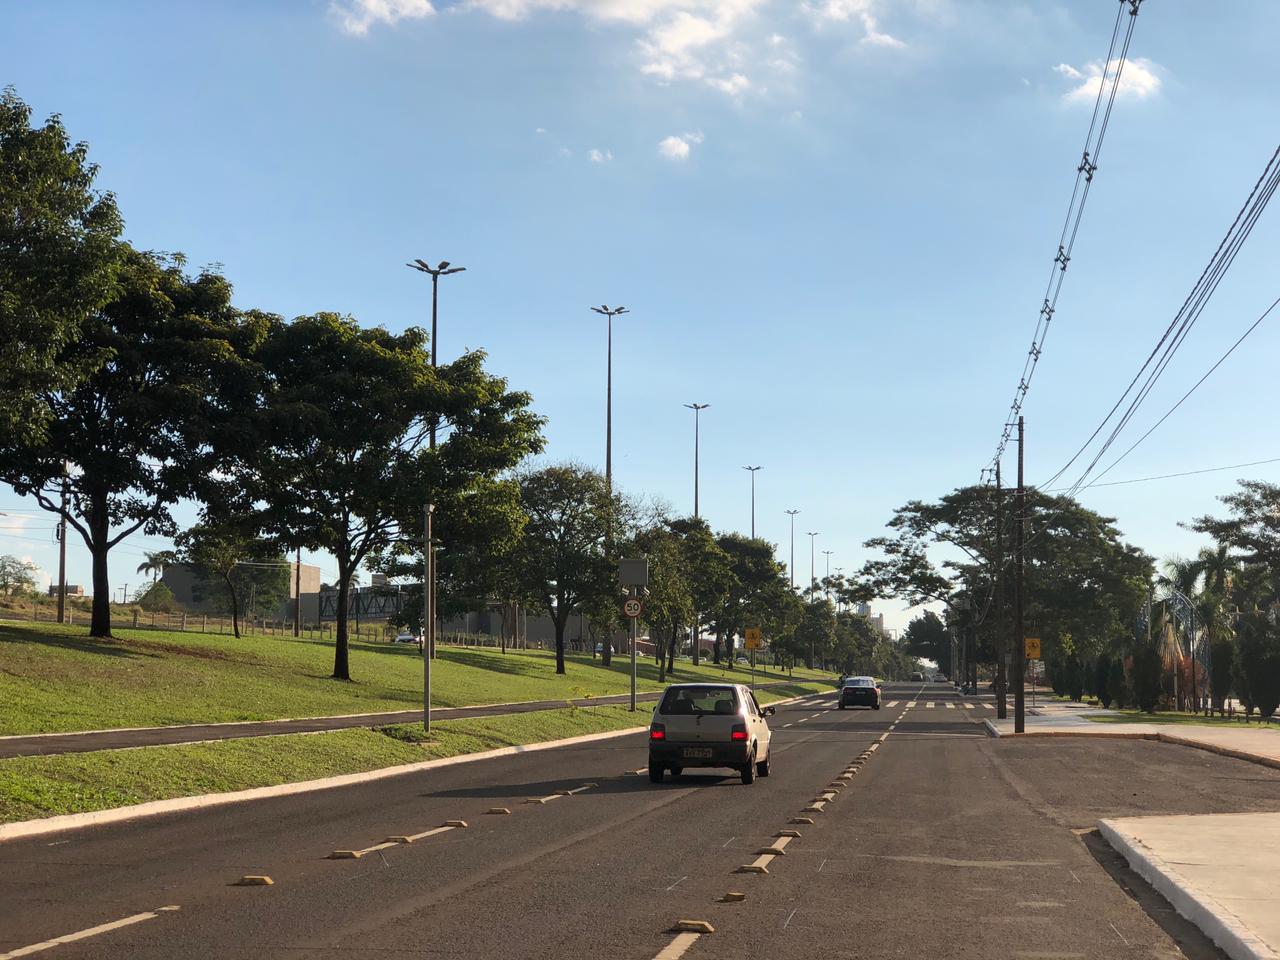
{"points": [[860, 692], [406, 636], [709, 725], [917, 676], [940, 678]]}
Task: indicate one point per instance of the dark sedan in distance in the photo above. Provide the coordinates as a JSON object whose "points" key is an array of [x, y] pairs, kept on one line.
{"points": [[860, 692]]}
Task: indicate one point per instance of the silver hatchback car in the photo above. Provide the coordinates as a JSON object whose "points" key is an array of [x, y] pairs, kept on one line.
{"points": [[709, 725]]}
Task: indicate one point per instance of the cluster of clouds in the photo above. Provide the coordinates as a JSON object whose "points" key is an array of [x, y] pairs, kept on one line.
{"points": [[1139, 79], [721, 44]]}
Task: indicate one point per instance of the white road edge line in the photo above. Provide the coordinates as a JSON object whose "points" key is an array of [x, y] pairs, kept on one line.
{"points": [[85, 934]]}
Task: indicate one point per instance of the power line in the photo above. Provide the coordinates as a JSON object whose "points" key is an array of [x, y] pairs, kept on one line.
{"points": [[1171, 476], [1107, 89]]}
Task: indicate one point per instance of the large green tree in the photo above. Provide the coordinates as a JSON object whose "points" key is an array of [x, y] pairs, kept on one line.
{"points": [[339, 457], [230, 559], [136, 435], [927, 636], [58, 261], [560, 559], [16, 575]]}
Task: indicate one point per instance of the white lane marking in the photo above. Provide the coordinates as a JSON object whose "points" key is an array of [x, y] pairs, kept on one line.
{"points": [[677, 883], [729, 841], [785, 725], [929, 705], [821, 865], [892, 703], [1118, 933], [804, 719], [951, 706], [812, 715], [678, 946], [84, 934]]}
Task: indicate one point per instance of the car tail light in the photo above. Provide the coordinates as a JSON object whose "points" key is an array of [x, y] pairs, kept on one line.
{"points": [[739, 732], [657, 732]]}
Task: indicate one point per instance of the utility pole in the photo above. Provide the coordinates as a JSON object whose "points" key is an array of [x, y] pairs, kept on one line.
{"points": [[62, 551], [1020, 640], [791, 567], [428, 614], [297, 593], [1002, 646], [436, 272], [752, 471]]}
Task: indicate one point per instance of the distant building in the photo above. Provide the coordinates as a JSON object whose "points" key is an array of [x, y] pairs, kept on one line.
{"points": [[877, 619], [181, 579], [73, 590]]}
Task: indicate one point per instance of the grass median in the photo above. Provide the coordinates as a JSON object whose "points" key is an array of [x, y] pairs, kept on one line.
{"points": [[56, 678], [34, 787], [1237, 722]]}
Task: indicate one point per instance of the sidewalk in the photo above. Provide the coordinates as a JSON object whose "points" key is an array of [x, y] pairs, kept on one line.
{"points": [[49, 744], [1071, 720], [1216, 870]]}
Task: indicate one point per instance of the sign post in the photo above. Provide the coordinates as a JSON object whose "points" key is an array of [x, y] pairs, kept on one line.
{"points": [[1032, 655], [752, 641], [634, 575]]}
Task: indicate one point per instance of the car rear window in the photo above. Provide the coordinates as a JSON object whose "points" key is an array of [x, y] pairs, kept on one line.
{"points": [[695, 700], [860, 682]]}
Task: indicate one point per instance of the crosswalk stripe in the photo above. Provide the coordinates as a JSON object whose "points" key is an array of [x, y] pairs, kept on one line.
{"points": [[892, 703], [929, 705], [950, 706]]}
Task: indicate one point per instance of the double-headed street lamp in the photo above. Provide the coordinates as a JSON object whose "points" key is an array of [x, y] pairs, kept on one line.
{"points": [[697, 409], [606, 311], [753, 499], [827, 554], [813, 578], [442, 269], [791, 567]]}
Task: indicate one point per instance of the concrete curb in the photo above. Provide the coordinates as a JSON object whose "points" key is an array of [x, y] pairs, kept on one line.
{"points": [[74, 821], [1257, 758], [1215, 921]]}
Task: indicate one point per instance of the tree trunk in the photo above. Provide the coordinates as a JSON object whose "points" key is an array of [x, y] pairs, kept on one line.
{"points": [[606, 645], [561, 619], [660, 652], [341, 664], [715, 646], [100, 622], [671, 649], [235, 605]]}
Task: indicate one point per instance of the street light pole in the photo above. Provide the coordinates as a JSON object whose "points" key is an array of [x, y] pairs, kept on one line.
{"points": [[791, 567], [813, 579], [752, 471], [443, 269], [428, 614], [606, 311], [697, 409], [827, 554]]}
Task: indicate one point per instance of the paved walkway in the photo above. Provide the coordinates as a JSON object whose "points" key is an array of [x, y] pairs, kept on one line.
{"points": [[1217, 870], [1255, 743], [47, 744]]}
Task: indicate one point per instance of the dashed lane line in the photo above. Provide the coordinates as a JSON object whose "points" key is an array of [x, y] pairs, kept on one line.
{"points": [[85, 934]]}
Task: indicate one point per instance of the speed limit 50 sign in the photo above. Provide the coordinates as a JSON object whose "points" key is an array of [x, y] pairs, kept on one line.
{"points": [[632, 607]]}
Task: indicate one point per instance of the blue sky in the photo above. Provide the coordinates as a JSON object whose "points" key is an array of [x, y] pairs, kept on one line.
{"points": [[831, 220]]}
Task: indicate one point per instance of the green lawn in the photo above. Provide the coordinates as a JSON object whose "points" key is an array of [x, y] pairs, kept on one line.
{"points": [[55, 678], [33, 787], [1192, 719]]}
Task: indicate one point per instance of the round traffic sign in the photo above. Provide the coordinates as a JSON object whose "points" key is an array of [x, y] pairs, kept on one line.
{"points": [[632, 607]]}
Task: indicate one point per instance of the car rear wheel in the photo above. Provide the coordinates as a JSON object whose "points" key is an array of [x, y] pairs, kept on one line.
{"points": [[655, 772], [676, 771], [762, 768], [842, 706], [877, 704], [749, 769]]}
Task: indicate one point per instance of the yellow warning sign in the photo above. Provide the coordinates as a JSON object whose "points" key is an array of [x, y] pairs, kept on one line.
{"points": [[752, 637], [1033, 648]]}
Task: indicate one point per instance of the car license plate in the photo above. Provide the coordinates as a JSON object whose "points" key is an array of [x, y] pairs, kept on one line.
{"points": [[696, 753]]}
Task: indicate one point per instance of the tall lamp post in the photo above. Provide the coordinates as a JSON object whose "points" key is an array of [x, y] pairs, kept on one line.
{"points": [[697, 409], [813, 578], [827, 554], [443, 269], [752, 471], [606, 311], [791, 567]]}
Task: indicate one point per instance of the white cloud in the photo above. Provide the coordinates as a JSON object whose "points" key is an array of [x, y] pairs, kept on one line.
{"points": [[678, 147], [42, 577], [1139, 79], [540, 130], [734, 85], [877, 39], [599, 156], [823, 12], [357, 16], [565, 152]]}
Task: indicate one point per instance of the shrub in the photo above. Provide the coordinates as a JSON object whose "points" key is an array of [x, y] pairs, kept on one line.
{"points": [[1148, 676], [157, 598], [1223, 654], [1259, 642], [1117, 688]]}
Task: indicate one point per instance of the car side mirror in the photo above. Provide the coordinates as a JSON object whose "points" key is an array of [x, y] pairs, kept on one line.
{"points": [[768, 711]]}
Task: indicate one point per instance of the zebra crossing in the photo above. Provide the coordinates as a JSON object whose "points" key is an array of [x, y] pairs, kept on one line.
{"points": [[946, 705]]}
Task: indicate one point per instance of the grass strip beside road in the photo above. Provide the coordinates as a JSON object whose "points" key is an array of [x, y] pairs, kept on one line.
{"points": [[57, 679], [34, 787]]}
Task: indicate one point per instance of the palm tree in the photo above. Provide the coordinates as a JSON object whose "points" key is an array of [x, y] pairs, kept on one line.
{"points": [[1218, 567], [1180, 574], [156, 562]]}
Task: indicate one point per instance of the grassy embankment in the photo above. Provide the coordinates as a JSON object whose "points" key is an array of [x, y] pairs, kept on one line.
{"points": [[57, 679]]}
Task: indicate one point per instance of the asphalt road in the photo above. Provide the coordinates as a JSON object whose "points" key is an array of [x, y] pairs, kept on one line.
{"points": [[944, 844]]}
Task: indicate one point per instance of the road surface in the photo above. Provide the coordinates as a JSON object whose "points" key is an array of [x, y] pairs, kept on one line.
{"points": [[945, 844]]}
